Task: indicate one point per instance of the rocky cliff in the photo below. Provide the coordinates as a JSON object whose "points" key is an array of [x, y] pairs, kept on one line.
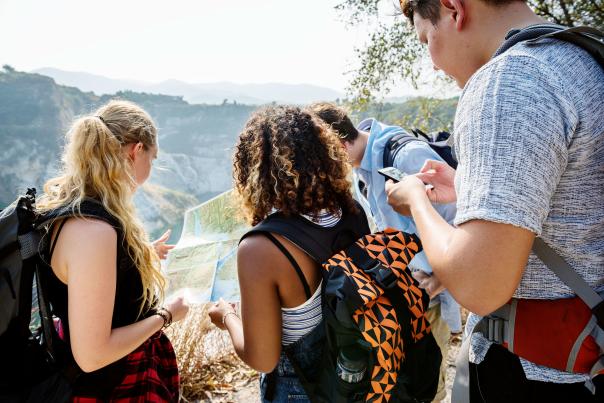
{"points": [[195, 143]]}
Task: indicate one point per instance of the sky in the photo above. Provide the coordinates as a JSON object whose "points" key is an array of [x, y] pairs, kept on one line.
{"points": [[253, 41]]}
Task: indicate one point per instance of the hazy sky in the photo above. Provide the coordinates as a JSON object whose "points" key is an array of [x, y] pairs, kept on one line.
{"points": [[244, 41], [249, 41]]}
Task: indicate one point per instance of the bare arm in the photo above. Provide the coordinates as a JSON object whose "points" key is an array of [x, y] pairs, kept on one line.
{"points": [[86, 255], [257, 335], [480, 262]]}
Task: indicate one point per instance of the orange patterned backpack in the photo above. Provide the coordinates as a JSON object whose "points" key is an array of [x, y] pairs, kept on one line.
{"points": [[375, 339]]}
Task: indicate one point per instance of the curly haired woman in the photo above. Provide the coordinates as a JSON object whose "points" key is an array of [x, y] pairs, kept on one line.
{"points": [[287, 164], [104, 280]]}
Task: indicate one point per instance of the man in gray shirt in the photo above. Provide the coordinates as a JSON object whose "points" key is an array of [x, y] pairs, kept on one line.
{"points": [[529, 136]]}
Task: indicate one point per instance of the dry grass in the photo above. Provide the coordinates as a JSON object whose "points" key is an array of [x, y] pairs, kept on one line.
{"points": [[209, 368]]}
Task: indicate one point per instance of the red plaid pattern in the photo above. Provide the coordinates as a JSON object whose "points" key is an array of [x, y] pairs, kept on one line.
{"points": [[151, 375]]}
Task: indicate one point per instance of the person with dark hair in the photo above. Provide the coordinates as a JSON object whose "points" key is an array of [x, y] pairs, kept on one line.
{"points": [[365, 147], [287, 164], [529, 135]]}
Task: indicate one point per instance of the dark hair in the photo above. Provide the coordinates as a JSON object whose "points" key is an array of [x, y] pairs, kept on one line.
{"points": [[287, 160], [337, 118], [430, 9]]}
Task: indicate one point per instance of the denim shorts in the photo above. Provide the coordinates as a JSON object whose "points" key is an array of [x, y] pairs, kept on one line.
{"points": [[287, 386], [307, 353]]}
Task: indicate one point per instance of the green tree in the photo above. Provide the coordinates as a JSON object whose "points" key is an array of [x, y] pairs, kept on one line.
{"points": [[8, 68], [394, 53]]}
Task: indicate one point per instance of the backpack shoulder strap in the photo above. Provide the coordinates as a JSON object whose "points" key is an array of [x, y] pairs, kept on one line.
{"points": [[571, 278], [88, 208], [312, 242], [439, 144], [461, 385], [320, 243], [293, 262], [54, 242], [395, 144], [532, 33], [590, 39], [587, 38]]}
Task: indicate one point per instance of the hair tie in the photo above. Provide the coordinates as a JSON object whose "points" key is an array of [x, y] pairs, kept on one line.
{"points": [[102, 120]]}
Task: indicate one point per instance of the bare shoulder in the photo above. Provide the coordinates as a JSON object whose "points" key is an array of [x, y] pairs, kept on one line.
{"points": [[87, 234], [83, 241], [255, 255]]}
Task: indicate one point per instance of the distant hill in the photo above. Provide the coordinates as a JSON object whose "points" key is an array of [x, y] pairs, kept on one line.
{"points": [[200, 93], [196, 141]]}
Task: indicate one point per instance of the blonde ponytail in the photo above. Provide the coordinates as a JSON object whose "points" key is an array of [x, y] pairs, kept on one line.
{"points": [[95, 166]]}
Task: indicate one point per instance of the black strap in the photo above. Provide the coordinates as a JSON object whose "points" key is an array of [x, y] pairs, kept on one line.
{"points": [[314, 241], [319, 242], [291, 259], [44, 304], [90, 208], [54, 241], [587, 38], [271, 384], [45, 316], [520, 35], [438, 143], [394, 145]]}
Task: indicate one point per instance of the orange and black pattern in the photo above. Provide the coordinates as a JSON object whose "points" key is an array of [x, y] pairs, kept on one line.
{"points": [[376, 318]]}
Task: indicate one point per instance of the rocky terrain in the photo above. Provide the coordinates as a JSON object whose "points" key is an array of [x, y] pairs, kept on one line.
{"points": [[196, 140], [194, 163]]}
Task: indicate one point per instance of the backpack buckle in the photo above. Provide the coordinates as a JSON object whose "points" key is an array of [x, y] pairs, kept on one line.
{"points": [[382, 275], [496, 329]]}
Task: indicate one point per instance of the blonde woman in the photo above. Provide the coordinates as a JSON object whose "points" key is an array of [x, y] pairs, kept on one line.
{"points": [[104, 280]]}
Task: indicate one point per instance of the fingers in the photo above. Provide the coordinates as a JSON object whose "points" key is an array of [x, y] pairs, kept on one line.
{"points": [[431, 194], [430, 165], [163, 249], [389, 185], [426, 177], [165, 236]]}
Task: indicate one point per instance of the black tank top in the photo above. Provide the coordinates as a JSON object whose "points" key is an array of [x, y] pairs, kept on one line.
{"points": [[128, 294]]}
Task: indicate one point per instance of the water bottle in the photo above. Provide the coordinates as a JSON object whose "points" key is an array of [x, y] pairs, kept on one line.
{"points": [[351, 365]]}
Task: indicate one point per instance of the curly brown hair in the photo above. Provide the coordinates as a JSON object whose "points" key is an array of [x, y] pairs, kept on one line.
{"points": [[288, 160]]}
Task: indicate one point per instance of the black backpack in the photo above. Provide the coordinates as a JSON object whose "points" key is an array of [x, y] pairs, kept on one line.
{"points": [[373, 314], [439, 142], [41, 367]]}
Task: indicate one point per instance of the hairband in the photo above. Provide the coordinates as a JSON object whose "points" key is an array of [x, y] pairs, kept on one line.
{"points": [[102, 120]]}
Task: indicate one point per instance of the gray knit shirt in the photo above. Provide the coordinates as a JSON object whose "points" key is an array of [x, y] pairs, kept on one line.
{"points": [[529, 135]]}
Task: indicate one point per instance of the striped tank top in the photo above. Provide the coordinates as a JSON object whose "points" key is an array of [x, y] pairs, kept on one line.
{"points": [[301, 320]]}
